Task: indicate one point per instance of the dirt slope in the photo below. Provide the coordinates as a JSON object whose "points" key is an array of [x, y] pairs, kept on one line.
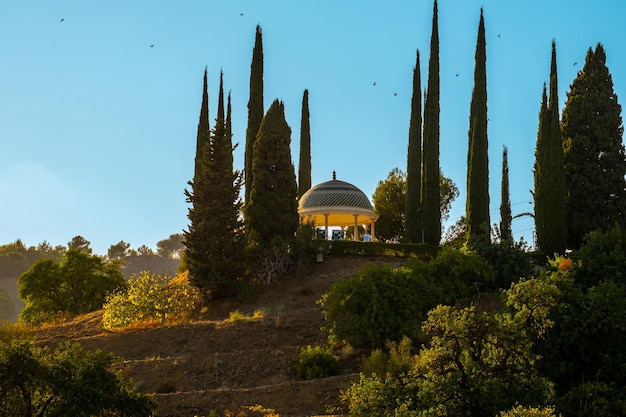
{"points": [[213, 364]]}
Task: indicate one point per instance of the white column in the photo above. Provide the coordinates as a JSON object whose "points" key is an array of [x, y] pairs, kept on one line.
{"points": [[326, 225], [355, 235]]}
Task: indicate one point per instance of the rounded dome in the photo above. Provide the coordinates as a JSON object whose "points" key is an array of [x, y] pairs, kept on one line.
{"points": [[337, 202]]}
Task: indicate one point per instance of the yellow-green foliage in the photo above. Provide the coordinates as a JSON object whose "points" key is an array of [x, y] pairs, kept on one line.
{"points": [[237, 315], [317, 362], [520, 411], [149, 297]]}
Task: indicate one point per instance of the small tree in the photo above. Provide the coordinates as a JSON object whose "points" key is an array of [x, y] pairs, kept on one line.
{"points": [[66, 381], [79, 243], [119, 251], [77, 285]]}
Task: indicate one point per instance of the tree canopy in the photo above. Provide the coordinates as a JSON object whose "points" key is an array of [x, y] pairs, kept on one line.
{"points": [[595, 160], [78, 284]]}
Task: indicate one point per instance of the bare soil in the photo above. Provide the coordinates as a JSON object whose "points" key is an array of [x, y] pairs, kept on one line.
{"points": [[217, 364]]}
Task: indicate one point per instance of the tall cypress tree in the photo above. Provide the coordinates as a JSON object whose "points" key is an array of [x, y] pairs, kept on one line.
{"points": [[255, 109], [595, 162], [214, 241], [413, 209], [431, 212], [549, 172], [202, 137], [506, 233], [272, 211], [304, 167], [477, 206]]}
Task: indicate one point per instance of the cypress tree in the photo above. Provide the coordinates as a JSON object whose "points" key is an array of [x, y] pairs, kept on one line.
{"points": [[413, 209], [595, 162], [214, 242], [202, 137], [505, 205], [477, 206], [431, 213], [304, 167], [255, 109], [272, 211], [549, 172]]}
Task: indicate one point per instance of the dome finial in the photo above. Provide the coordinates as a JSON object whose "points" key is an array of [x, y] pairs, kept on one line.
{"points": [[334, 175]]}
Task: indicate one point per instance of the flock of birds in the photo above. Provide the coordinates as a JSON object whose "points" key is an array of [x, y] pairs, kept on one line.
{"points": [[374, 83]]}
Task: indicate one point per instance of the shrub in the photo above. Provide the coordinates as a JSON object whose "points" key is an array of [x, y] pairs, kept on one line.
{"points": [[378, 304], [317, 362], [150, 296], [395, 361], [601, 257], [521, 411], [458, 270], [510, 261]]}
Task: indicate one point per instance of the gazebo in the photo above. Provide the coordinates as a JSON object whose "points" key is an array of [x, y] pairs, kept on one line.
{"points": [[337, 203]]}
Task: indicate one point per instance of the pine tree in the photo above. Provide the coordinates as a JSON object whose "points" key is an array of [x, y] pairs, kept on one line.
{"points": [[595, 162], [506, 233], [431, 214], [477, 206], [255, 109], [304, 167], [214, 242], [272, 211], [413, 209], [549, 172]]}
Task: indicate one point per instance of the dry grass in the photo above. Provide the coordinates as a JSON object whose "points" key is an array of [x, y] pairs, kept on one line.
{"points": [[235, 358]]}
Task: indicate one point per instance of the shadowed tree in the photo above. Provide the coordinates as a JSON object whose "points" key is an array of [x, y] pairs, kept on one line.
{"points": [[595, 162], [549, 172], [79, 243], [304, 167], [203, 135], [505, 205], [272, 210], [477, 207], [214, 240], [255, 110], [413, 206], [431, 216]]}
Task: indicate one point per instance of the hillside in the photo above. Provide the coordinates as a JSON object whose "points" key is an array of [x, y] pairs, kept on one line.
{"points": [[215, 364]]}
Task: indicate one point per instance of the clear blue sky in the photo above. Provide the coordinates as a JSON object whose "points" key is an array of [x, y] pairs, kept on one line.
{"points": [[98, 128]]}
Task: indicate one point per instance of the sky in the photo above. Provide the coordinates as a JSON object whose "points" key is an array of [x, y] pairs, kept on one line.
{"points": [[99, 100]]}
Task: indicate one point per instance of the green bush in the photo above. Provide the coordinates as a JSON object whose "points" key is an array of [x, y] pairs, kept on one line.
{"points": [[601, 257], [317, 362], [350, 247], [377, 304], [510, 262], [396, 360], [458, 270], [150, 296]]}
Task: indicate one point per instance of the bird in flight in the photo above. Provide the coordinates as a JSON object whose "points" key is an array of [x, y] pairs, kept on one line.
{"points": [[152, 46], [457, 74], [575, 63], [62, 20], [499, 35], [395, 94], [241, 14], [374, 83]]}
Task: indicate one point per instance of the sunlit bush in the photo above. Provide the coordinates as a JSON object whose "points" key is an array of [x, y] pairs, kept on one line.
{"points": [[150, 297]]}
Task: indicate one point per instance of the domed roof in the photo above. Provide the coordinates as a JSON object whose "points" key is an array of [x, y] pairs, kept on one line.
{"points": [[337, 202], [335, 193]]}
